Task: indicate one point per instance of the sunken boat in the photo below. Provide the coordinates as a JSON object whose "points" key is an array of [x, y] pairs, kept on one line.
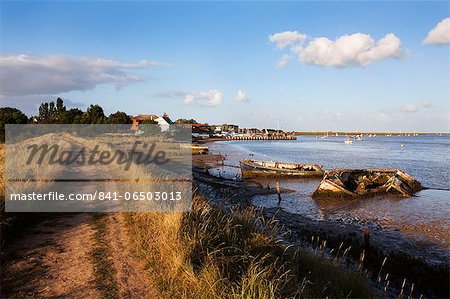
{"points": [[364, 182], [255, 168]]}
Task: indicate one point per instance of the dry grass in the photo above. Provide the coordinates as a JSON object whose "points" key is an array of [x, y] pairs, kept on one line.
{"points": [[209, 253], [2, 173]]}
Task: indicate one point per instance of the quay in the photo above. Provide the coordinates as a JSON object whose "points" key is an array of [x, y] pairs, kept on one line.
{"points": [[287, 137]]}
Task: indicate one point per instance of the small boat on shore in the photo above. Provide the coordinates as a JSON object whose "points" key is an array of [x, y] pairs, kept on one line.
{"points": [[255, 168], [196, 149], [362, 182]]}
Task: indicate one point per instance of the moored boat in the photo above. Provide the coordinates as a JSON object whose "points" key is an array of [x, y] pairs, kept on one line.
{"points": [[348, 141], [196, 149], [362, 182], [255, 168]]}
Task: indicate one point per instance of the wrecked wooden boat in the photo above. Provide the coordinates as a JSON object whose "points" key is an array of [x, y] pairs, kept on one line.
{"points": [[199, 150], [363, 182], [255, 168], [196, 149]]}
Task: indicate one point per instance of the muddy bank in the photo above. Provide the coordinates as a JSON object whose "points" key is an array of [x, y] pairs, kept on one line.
{"points": [[418, 262]]}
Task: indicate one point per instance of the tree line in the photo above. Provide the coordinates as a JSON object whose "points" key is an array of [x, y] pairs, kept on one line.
{"points": [[57, 113]]}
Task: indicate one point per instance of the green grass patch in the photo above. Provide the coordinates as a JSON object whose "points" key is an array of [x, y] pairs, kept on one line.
{"points": [[104, 272]]}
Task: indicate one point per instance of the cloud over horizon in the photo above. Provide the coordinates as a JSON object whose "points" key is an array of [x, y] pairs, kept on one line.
{"points": [[426, 103], [357, 49], [241, 96], [24, 75], [210, 98], [416, 107], [440, 34], [410, 108]]}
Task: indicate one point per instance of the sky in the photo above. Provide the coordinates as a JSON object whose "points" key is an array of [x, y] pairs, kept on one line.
{"points": [[298, 65]]}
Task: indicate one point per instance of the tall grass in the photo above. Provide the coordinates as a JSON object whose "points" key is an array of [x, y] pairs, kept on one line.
{"points": [[210, 253], [2, 181]]}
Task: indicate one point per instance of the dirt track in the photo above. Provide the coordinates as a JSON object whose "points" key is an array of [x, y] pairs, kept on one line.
{"points": [[54, 260]]}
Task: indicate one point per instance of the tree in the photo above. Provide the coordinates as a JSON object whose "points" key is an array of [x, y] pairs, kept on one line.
{"points": [[93, 115], [51, 112], [150, 127], [119, 118], [72, 116], [10, 116], [43, 113], [60, 108], [186, 121]]}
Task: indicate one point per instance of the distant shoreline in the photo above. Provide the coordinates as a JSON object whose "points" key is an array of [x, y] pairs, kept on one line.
{"points": [[366, 133], [331, 133]]}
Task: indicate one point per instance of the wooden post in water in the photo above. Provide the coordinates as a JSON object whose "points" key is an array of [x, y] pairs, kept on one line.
{"points": [[277, 187]]}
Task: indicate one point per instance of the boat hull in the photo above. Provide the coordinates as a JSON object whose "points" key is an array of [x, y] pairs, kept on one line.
{"points": [[196, 149], [250, 170], [353, 183], [199, 150]]}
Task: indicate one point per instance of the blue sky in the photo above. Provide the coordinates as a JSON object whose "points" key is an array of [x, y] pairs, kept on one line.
{"points": [[190, 59]]}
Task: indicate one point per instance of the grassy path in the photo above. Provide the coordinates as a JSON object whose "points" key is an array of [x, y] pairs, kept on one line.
{"points": [[74, 256], [79, 255], [51, 260]]}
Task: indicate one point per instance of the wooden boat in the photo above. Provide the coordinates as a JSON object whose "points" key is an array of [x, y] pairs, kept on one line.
{"points": [[196, 149], [255, 168], [362, 182]]}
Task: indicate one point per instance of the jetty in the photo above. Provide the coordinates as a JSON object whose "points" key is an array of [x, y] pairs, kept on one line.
{"points": [[276, 137]]}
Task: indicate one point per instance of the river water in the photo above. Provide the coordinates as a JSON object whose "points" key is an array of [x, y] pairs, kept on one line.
{"points": [[425, 217]]}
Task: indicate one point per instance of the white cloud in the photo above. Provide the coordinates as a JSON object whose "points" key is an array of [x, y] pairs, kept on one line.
{"points": [[426, 103], [286, 38], [358, 49], [241, 96], [384, 116], [283, 61], [22, 75], [212, 98], [439, 35], [209, 98], [327, 115], [410, 108]]}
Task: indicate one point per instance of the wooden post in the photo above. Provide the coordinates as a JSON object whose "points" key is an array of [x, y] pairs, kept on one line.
{"points": [[277, 187]]}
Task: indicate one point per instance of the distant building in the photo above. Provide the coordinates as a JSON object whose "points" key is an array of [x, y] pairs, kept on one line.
{"points": [[230, 128], [201, 130], [253, 131], [164, 121]]}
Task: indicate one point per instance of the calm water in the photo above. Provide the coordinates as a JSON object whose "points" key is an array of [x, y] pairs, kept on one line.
{"points": [[425, 216]]}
